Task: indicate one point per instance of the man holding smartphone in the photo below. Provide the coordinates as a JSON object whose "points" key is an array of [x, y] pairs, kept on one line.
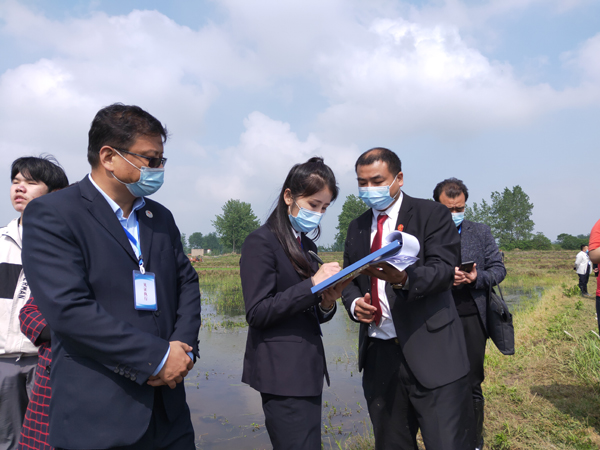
{"points": [[481, 267]]}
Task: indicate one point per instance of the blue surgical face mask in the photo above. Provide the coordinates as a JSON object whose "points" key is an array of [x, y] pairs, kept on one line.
{"points": [[150, 180], [306, 220], [458, 218], [378, 197]]}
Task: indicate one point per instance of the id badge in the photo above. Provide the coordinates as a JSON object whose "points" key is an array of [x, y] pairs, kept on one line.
{"points": [[144, 291]]}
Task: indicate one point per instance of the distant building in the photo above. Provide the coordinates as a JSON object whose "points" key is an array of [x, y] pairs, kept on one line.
{"points": [[198, 252]]}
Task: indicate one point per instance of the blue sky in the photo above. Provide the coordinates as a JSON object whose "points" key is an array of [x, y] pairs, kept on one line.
{"points": [[497, 93]]}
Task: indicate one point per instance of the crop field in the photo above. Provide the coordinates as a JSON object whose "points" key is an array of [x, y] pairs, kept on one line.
{"points": [[546, 396]]}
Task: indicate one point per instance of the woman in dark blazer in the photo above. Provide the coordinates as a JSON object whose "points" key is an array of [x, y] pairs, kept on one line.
{"points": [[285, 359]]}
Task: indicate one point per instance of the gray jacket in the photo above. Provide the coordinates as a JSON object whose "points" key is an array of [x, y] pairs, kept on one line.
{"points": [[477, 244]]}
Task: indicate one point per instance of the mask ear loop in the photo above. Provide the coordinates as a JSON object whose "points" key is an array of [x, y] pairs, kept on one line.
{"points": [[395, 197], [113, 175], [126, 159]]}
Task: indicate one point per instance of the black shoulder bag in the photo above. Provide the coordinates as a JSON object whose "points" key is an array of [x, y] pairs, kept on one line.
{"points": [[500, 321]]}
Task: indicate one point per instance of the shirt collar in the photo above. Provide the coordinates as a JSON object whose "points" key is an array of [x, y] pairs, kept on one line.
{"points": [[392, 210], [296, 234], [138, 203]]}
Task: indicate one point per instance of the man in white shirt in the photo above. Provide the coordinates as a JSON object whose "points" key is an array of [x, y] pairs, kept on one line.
{"points": [[583, 268], [411, 343]]}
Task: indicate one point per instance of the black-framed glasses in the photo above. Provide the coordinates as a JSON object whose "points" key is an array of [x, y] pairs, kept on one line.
{"points": [[153, 163]]}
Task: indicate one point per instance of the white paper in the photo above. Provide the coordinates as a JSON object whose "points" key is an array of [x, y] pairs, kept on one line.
{"points": [[407, 254]]}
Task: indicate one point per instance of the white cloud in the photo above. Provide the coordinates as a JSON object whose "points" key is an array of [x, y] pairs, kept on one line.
{"points": [[414, 78], [259, 163], [383, 71], [252, 171], [585, 60]]}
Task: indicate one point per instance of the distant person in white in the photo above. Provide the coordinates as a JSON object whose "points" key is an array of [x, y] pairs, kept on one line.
{"points": [[583, 266]]}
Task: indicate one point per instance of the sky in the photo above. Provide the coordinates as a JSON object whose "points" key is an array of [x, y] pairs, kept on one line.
{"points": [[497, 93]]}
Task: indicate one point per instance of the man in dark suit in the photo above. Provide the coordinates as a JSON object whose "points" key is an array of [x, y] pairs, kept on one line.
{"points": [[120, 348], [471, 288], [411, 344]]}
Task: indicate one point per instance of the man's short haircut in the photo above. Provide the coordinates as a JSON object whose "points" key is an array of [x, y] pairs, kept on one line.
{"points": [[452, 187], [118, 126], [583, 246], [380, 154], [44, 168]]}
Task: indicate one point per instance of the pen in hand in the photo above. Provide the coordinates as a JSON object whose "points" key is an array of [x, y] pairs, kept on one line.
{"points": [[315, 257]]}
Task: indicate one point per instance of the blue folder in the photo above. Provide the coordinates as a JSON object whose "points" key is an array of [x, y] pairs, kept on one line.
{"points": [[355, 269]]}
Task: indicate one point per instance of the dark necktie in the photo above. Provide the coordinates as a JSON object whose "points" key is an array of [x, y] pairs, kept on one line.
{"points": [[376, 245]]}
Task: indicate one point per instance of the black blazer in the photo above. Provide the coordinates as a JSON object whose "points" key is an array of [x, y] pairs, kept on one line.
{"points": [[79, 264], [427, 324], [284, 351], [477, 244]]}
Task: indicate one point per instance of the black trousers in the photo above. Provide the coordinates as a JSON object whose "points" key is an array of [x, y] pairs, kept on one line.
{"points": [[293, 423], [399, 405], [475, 337], [583, 282], [162, 434]]}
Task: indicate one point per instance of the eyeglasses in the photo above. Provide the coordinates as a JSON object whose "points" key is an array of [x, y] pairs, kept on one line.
{"points": [[153, 163]]}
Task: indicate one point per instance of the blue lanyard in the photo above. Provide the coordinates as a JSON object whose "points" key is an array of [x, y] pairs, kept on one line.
{"points": [[137, 244], [460, 229]]}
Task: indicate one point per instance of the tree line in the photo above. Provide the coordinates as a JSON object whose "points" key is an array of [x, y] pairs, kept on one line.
{"points": [[232, 226], [508, 214]]}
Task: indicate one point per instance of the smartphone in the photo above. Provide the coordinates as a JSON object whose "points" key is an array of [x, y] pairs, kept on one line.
{"points": [[466, 266]]}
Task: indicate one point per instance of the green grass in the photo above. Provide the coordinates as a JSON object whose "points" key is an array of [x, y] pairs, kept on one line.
{"points": [[546, 396]]}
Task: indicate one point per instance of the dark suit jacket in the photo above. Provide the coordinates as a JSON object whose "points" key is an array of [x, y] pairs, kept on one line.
{"points": [[477, 244], [284, 351], [427, 324], [79, 264]]}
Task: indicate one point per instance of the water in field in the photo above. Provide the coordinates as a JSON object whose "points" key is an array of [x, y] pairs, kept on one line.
{"points": [[520, 297], [227, 414]]}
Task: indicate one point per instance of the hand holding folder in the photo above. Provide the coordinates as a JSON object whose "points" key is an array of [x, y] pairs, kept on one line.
{"points": [[400, 252]]}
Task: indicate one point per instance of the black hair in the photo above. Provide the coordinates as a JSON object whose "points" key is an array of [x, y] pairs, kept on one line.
{"points": [[119, 125], [303, 180], [582, 246], [452, 187], [44, 168], [380, 154]]}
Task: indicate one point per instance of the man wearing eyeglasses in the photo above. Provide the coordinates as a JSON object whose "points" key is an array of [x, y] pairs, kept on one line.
{"points": [[472, 285], [118, 293]]}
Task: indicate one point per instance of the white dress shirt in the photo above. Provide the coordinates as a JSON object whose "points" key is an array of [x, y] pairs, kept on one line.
{"points": [[386, 329]]}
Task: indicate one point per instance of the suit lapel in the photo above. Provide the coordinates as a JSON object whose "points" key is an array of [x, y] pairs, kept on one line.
{"points": [[405, 213], [364, 227], [404, 216], [146, 225], [102, 212], [305, 248]]}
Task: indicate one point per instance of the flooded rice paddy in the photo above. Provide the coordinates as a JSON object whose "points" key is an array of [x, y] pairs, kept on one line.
{"points": [[227, 414]]}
